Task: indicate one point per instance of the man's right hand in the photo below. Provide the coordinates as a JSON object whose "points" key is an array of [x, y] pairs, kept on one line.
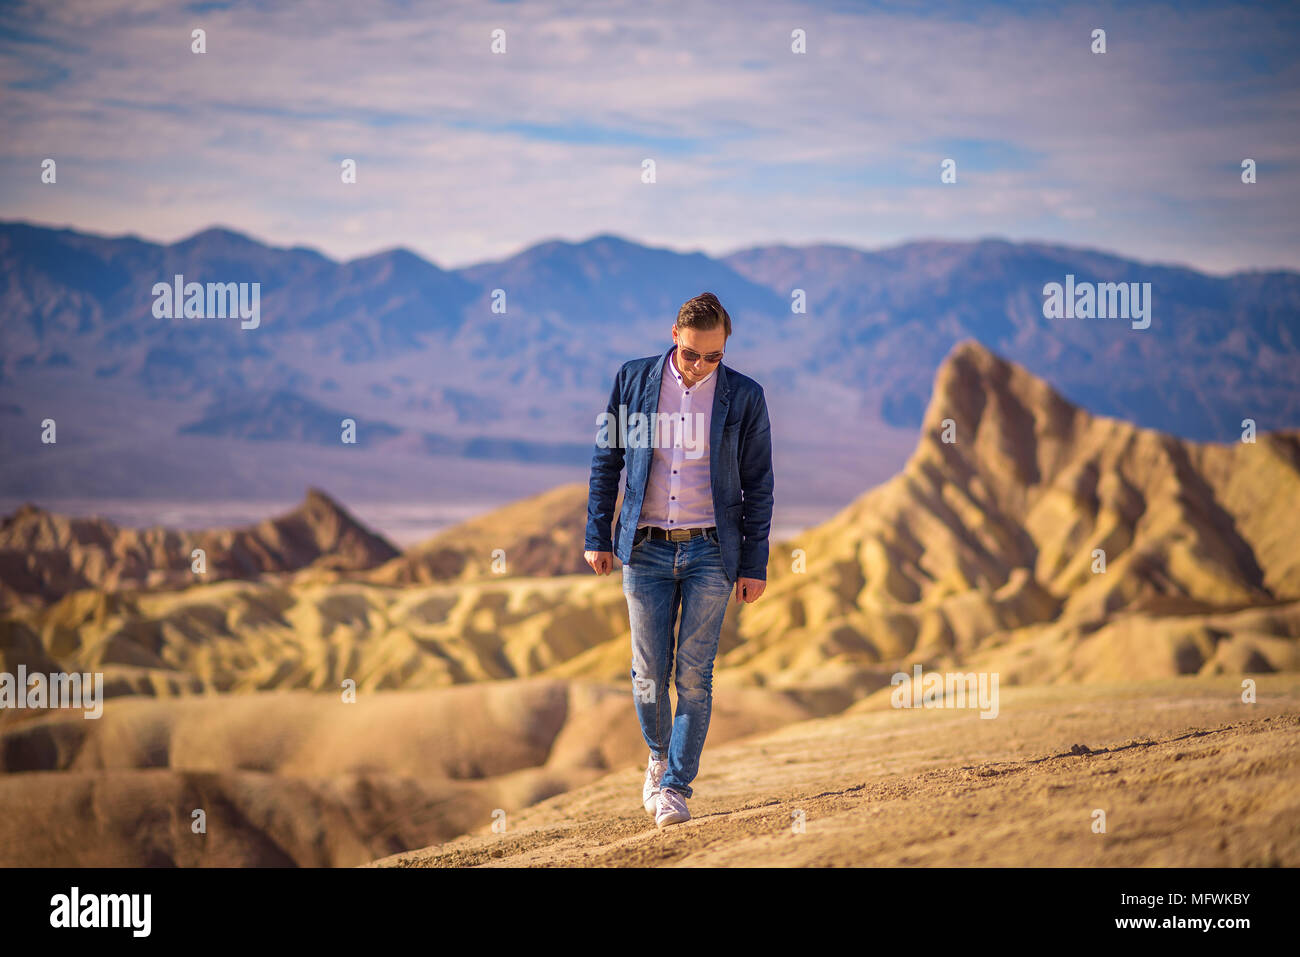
{"points": [[602, 563]]}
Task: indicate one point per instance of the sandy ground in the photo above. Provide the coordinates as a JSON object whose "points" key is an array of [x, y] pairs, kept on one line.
{"points": [[301, 778], [1186, 773]]}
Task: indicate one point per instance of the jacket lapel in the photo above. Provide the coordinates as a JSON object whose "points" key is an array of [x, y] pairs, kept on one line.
{"points": [[650, 405], [721, 400], [650, 396]]}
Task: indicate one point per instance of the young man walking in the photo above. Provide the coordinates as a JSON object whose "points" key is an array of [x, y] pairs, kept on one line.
{"points": [[695, 437]]}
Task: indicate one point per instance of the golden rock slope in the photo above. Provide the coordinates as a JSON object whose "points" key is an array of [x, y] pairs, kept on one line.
{"points": [[981, 552], [537, 536], [44, 556]]}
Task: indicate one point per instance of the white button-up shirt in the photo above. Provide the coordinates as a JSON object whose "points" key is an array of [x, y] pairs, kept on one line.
{"points": [[679, 492]]}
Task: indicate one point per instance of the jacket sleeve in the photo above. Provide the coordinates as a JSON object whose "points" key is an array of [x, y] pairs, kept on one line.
{"points": [[756, 487], [606, 467]]}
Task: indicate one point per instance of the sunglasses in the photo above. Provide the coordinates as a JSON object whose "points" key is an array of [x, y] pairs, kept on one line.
{"points": [[690, 355]]}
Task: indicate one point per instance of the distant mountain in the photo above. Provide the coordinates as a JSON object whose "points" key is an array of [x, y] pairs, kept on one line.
{"points": [[611, 284], [283, 416], [44, 556], [1217, 350], [396, 340]]}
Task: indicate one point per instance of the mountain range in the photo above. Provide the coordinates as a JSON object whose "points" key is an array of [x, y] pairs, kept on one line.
{"points": [[451, 399]]}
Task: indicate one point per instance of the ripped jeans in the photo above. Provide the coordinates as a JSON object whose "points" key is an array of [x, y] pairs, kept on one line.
{"points": [[659, 576]]}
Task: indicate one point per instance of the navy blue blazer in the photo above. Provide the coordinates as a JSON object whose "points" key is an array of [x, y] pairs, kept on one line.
{"points": [[740, 467]]}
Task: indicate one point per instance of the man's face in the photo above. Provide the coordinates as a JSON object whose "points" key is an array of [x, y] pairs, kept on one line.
{"points": [[702, 342]]}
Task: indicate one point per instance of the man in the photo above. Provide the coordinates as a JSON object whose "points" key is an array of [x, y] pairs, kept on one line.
{"points": [[696, 515]]}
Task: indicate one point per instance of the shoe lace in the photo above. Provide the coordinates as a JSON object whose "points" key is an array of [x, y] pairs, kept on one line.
{"points": [[657, 771], [674, 800]]}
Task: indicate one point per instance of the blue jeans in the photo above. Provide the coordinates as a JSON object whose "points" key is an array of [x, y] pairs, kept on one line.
{"points": [[659, 576]]}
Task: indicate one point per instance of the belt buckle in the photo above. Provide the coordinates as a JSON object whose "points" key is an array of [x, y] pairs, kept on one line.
{"points": [[679, 534]]}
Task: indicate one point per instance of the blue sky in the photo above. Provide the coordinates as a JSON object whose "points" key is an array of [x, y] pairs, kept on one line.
{"points": [[464, 155]]}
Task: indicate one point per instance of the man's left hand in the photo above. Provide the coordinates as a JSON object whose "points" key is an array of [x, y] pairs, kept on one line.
{"points": [[748, 589]]}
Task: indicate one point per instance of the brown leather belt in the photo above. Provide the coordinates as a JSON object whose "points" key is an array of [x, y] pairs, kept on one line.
{"points": [[676, 534]]}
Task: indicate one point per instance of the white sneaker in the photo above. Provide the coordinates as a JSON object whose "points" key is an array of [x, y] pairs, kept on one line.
{"points": [[654, 773], [672, 808]]}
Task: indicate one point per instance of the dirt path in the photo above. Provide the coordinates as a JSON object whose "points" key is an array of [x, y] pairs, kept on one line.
{"points": [[1186, 774]]}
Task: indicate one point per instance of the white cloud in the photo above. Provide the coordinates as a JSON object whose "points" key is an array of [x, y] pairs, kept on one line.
{"points": [[156, 140]]}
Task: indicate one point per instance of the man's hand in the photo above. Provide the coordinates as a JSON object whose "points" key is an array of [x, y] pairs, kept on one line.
{"points": [[602, 563], [748, 589]]}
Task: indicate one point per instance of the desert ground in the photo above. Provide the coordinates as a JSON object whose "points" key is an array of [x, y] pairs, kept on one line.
{"points": [[1187, 774]]}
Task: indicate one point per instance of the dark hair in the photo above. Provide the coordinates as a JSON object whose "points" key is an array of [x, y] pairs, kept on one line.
{"points": [[703, 312]]}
